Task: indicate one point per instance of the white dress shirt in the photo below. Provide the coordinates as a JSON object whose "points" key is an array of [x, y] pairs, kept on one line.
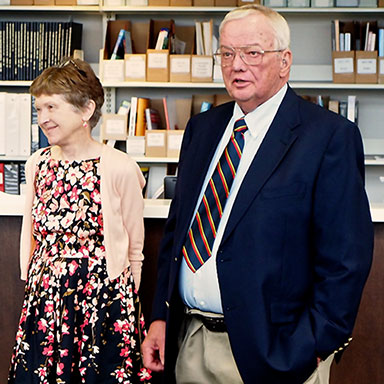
{"points": [[201, 289]]}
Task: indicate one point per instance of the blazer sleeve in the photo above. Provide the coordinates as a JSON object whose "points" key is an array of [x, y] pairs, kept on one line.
{"points": [[343, 240]]}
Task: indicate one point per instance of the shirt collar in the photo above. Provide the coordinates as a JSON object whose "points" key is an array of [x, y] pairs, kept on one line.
{"points": [[263, 115]]}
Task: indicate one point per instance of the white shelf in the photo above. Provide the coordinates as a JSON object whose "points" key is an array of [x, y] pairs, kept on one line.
{"points": [[158, 160], [162, 84], [377, 161], [216, 85], [294, 84], [192, 9], [13, 158], [52, 8], [12, 205]]}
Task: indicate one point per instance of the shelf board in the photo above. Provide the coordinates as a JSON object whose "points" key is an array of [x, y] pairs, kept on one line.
{"points": [[192, 9], [4, 158], [162, 84], [158, 160], [220, 85], [178, 10], [51, 8]]}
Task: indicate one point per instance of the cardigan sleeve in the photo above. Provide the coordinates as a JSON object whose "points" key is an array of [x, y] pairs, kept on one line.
{"points": [[26, 243], [132, 207]]}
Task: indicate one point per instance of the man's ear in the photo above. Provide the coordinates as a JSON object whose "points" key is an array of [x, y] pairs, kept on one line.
{"points": [[285, 63]]}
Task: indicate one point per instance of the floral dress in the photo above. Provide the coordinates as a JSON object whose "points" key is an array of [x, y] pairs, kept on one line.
{"points": [[76, 325]]}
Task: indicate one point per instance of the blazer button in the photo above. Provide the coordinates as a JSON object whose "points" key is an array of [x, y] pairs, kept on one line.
{"points": [[175, 258]]}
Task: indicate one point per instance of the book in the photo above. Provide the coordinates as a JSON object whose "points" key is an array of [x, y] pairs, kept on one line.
{"points": [[205, 105], [3, 127], [118, 49], [24, 106], [333, 106], [381, 42], [199, 38], [352, 108], [162, 39], [142, 105], [127, 42], [1, 177], [132, 117], [152, 118], [165, 105], [124, 107], [207, 30]]}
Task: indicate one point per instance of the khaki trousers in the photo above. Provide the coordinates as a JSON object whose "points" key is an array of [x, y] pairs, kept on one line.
{"points": [[205, 357]]}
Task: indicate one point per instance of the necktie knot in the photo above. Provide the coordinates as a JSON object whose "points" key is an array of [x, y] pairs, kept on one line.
{"points": [[240, 126]]}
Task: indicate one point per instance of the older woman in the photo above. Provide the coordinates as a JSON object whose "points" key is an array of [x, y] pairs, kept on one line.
{"points": [[81, 244]]}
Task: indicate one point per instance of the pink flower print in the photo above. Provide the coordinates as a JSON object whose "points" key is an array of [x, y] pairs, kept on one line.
{"points": [[59, 189], [67, 220], [88, 288], [64, 202], [58, 269], [59, 369], [42, 325], [145, 374], [63, 352], [50, 339], [120, 374], [41, 372], [52, 222], [49, 307], [74, 194], [73, 175], [89, 182], [100, 220], [50, 177], [124, 352], [53, 205], [82, 371], [128, 362], [48, 351], [121, 325], [86, 166], [81, 211], [73, 267], [96, 198], [65, 329]]}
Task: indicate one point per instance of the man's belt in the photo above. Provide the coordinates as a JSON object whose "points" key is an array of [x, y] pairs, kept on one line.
{"points": [[214, 323]]}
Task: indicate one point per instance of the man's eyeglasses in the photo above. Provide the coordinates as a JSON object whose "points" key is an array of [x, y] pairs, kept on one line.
{"points": [[70, 61], [251, 55]]}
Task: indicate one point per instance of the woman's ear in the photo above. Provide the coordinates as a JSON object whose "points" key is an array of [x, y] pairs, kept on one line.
{"points": [[88, 110]]}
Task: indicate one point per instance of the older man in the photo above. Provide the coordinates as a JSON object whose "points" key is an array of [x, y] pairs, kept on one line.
{"points": [[269, 238]]}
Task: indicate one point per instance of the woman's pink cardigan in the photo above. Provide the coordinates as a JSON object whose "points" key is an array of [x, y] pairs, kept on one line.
{"points": [[122, 207]]}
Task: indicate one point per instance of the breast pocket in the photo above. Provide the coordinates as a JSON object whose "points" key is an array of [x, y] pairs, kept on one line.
{"points": [[292, 191]]}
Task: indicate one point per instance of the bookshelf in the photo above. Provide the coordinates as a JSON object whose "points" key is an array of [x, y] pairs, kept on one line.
{"points": [[311, 47], [312, 57]]}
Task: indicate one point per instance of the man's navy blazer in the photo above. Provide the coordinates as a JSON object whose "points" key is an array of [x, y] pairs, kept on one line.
{"points": [[297, 247]]}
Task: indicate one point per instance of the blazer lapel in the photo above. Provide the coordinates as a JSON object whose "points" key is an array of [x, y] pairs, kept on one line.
{"points": [[279, 138]]}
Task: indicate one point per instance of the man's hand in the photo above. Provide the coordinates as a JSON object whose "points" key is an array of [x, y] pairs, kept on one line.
{"points": [[153, 347]]}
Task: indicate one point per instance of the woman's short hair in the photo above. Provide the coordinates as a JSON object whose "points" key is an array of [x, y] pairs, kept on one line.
{"points": [[278, 22], [75, 80]]}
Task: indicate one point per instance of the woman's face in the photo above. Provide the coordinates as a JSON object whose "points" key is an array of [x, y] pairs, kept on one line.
{"points": [[60, 121]]}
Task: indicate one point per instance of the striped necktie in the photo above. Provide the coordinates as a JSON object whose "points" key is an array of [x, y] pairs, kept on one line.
{"points": [[198, 245]]}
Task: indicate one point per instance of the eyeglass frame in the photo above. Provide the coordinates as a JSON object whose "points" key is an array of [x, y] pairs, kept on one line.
{"points": [[71, 61], [217, 54]]}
